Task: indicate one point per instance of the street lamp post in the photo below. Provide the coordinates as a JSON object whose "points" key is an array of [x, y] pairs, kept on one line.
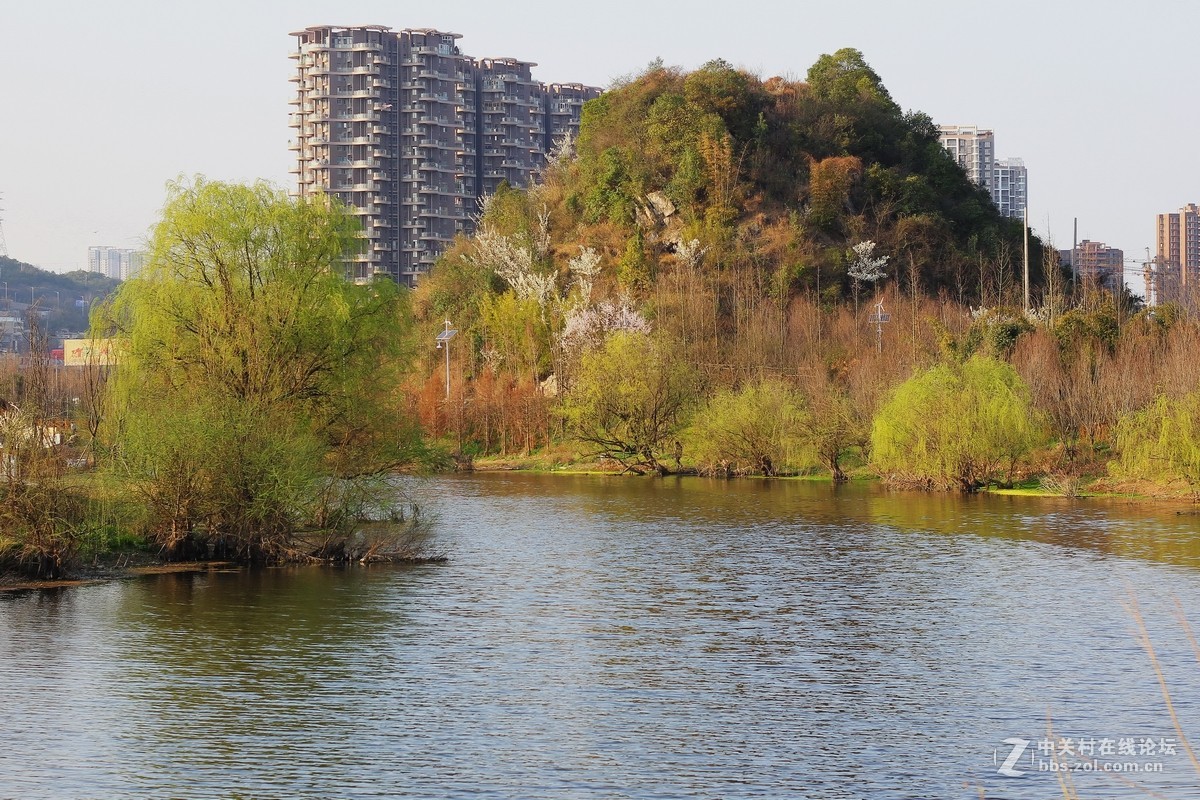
{"points": [[443, 343], [877, 319]]}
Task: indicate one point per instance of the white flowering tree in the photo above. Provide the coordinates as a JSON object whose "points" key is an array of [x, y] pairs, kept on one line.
{"points": [[586, 326], [584, 268], [865, 267], [515, 262]]}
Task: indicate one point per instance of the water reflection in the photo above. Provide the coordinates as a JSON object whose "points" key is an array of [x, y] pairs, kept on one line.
{"points": [[596, 638]]}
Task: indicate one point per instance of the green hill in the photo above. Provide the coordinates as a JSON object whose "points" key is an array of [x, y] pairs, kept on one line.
{"points": [[792, 172], [776, 175], [66, 297]]}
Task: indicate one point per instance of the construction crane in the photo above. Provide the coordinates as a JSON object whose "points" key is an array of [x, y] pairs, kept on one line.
{"points": [[1159, 278]]}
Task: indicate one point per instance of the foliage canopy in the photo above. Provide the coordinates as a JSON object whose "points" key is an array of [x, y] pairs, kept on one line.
{"points": [[961, 425], [254, 381], [629, 398]]}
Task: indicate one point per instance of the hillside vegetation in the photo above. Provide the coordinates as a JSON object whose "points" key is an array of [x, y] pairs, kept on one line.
{"points": [[66, 297], [747, 230]]}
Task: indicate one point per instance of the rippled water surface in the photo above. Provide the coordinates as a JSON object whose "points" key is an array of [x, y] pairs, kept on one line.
{"points": [[629, 638]]}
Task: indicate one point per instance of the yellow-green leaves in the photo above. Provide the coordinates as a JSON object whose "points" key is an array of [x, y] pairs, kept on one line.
{"points": [[253, 374], [961, 425]]}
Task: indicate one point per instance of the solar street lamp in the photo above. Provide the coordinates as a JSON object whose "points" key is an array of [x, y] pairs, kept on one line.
{"points": [[443, 343], [877, 318]]}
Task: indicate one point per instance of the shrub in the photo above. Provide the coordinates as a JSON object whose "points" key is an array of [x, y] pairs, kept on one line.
{"points": [[956, 425]]}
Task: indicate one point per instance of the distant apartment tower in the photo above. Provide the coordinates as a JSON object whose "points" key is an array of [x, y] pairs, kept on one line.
{"points": [[512, 112], [1098, 264], [1177, 252], [974, 149], [564, 105], [118, 263], [410, 133], [1010, 182]]}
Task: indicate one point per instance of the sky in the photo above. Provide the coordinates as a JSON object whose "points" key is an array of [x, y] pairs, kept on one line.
{"points": [[102, 103]]}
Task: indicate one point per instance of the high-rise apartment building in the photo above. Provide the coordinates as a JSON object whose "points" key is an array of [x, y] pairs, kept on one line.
{"points": [[1097, 263], [1010, 182], [1177, 247], [974, 149], [564, 104], [409, 132], [115, 262], [512, 110]]}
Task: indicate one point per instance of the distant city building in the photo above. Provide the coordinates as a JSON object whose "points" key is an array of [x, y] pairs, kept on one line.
{"points": [[974, 149], [1177, 253], [1009, 184], [117, 263], [410, 133], [1095, 263]]}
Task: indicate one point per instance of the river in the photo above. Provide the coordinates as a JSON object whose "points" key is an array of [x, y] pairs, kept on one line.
{"points": [[598, 637]]}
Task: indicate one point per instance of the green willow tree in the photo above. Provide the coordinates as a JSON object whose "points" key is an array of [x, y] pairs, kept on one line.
{"points": [[957, 425], [628, 399], [1161, 442], [256, 388], [758, 427]]}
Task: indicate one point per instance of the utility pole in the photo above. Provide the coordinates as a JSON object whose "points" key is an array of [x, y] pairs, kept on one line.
{"points": [[1075, 256], [1027, 255], [3, 244]]}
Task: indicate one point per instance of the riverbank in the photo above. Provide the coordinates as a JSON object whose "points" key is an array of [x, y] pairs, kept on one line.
{"points": [[130, 558], [114, 566], [1048, 485], [554, 463]]}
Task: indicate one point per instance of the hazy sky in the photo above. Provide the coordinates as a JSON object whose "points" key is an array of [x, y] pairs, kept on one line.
{"points": [[103, 102]]}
